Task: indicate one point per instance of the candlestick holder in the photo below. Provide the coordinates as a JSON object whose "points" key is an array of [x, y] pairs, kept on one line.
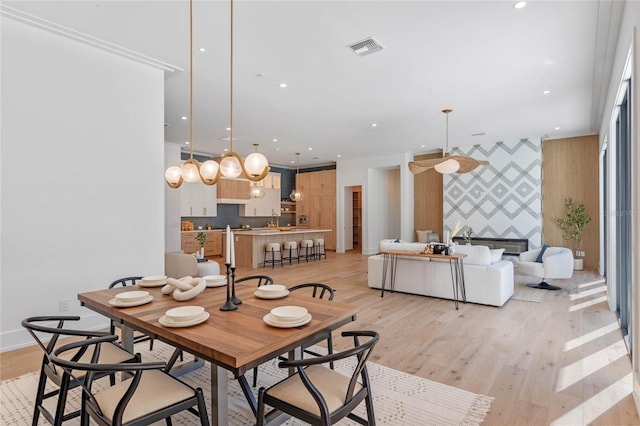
{"points": [[229, 305], [235, 299]]}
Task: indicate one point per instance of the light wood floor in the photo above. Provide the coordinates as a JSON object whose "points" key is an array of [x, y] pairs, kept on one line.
{"points": [[562, 361]]}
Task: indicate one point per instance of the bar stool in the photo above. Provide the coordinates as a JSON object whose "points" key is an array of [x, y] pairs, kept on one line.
{"points": [[291, 245], [307, 245], [272, 248], [318, 248]]}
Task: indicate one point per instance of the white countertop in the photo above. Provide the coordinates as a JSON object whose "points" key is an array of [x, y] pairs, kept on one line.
{"points": [[277, 231]]}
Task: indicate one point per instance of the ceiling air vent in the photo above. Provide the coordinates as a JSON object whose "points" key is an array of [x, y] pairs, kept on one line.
{"points": [[366, 47]]}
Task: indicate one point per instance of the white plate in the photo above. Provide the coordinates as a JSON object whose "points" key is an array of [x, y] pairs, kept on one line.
{"points": [[270, 320], [184, 313], [153, 281], [272, 288], [132, 296], [289, 313], [215, 280], [261, 295], [120, 304], [167, 322]]}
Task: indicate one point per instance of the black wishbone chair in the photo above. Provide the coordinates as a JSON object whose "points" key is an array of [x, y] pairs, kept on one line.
{"points": [[148, 396], [319, 395], [111, 354], [138, 337], [320, 291], [262, 280]]}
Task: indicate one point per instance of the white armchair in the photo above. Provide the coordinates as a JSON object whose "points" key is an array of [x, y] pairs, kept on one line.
{"points": [[557, 262]]}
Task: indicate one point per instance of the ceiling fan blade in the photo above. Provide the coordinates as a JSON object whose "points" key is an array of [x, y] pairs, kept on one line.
{"points": [[468, 164], [423, 165]]}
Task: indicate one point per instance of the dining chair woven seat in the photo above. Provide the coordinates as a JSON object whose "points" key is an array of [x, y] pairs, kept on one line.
{"points": [[50, 374], [148, 396], [320, 396]]}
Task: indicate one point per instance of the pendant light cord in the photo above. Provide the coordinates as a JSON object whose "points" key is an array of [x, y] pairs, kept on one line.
{"points": [[231, 81], [191, 79]]}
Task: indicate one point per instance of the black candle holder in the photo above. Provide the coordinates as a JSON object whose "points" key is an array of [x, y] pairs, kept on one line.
{"points": [[235, 299], [229, 305]]}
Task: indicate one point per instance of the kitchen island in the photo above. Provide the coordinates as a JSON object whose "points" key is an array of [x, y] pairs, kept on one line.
{"points": [[249, 245]]}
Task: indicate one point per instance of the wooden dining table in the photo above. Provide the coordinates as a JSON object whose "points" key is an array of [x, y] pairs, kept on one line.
{"points": [[235, 341]]}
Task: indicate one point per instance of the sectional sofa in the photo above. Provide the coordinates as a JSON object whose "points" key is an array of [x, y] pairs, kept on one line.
{"points": [[488, 278]]}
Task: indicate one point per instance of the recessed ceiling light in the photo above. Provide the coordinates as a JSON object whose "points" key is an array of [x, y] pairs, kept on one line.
{"points": [[283, 85], [226, 149], [202, 49], [228, 128], [184, 117], [310, 149], [519, 5], [374, 125], [339, 155], [186, 142], [275, 140], [557, 128], [291, 163], [421, 146], [546, 92]]}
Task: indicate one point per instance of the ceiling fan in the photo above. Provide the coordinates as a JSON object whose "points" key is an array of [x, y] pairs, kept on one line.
{"points": [[447, 164]]}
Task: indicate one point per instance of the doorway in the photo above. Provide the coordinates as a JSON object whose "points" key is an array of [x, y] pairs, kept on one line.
{"points": [[356, 217]]}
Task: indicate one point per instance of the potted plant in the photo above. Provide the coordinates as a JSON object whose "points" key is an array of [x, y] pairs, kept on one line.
{"points": [[573, 224], [467, 235], [201, 237]]}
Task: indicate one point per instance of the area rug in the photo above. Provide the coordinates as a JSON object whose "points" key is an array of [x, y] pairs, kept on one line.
{"points": [[399, 398], [528, 294]]}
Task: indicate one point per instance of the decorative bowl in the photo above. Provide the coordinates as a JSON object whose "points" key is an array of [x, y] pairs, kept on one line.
{"points": [[184, 313], [132, 296], [272, 288], [289, 313]]}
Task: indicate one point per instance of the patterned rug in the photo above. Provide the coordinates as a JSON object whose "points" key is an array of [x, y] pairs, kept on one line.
{"points": [[527, 294], [399, 398]]}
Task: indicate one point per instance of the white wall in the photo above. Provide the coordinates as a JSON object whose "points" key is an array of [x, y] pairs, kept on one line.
{"points": [[82, 164], [371, 174]]}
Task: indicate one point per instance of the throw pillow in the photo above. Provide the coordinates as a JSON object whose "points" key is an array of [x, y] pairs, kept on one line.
{"points": [[496, 255], [542, 250], [423, 236]]}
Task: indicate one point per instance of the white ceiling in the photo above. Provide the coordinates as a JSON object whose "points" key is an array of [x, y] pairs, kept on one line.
{"points": [[486, 60]]}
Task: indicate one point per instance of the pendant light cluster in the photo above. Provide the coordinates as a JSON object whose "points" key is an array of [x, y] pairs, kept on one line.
{"points": [[296, 195], [255, 167]]}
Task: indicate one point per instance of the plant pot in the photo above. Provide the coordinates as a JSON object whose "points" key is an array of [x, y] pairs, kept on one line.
{"points": [[578, 264]]}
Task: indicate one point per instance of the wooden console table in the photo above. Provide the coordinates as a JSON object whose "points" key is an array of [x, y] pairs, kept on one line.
{"points": [[456, 266]]}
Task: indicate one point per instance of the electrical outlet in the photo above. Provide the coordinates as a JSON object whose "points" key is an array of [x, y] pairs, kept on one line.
{"points": [[63, 305]]}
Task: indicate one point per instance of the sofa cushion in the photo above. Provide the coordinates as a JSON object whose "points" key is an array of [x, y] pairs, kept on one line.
{"points": [[423, 236], [476, 255], [496, 255]]}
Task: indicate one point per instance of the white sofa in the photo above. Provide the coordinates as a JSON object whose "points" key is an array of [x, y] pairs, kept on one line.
{"points": [[488, 281]]}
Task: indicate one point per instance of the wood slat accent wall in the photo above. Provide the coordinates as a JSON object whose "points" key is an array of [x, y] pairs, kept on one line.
{"points": [[428, 199], [570, 170]]}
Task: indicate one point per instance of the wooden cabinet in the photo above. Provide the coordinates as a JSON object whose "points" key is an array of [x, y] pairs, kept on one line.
{"points": [[213, 246], [233, 191], [318, 204], [263, 207], [198, 200]]}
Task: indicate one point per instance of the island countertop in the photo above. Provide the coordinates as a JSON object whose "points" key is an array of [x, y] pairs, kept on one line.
{"points": [[249, 245], [277, 231]]}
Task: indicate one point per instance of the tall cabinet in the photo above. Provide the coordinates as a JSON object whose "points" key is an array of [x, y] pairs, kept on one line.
{"points": [[317, 209]]}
